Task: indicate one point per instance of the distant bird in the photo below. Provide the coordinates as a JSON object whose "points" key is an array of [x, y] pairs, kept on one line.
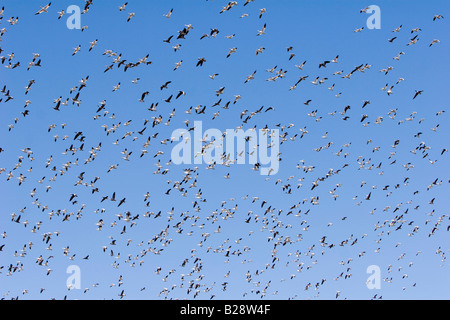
{"points": [[130, 16], [123, 7], [169, 14], [76, 50], [433, 42], [262, 31], [418, 92], [200, 62], [44, 9]]}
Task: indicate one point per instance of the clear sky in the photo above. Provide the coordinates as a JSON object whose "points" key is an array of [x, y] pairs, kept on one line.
{"points": [[277, 253]]}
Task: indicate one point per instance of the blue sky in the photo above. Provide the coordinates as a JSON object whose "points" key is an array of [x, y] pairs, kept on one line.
{"points": [[317, 31]]}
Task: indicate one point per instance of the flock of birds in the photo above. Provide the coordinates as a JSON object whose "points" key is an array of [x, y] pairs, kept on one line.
{"points": [[284, 225]]}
